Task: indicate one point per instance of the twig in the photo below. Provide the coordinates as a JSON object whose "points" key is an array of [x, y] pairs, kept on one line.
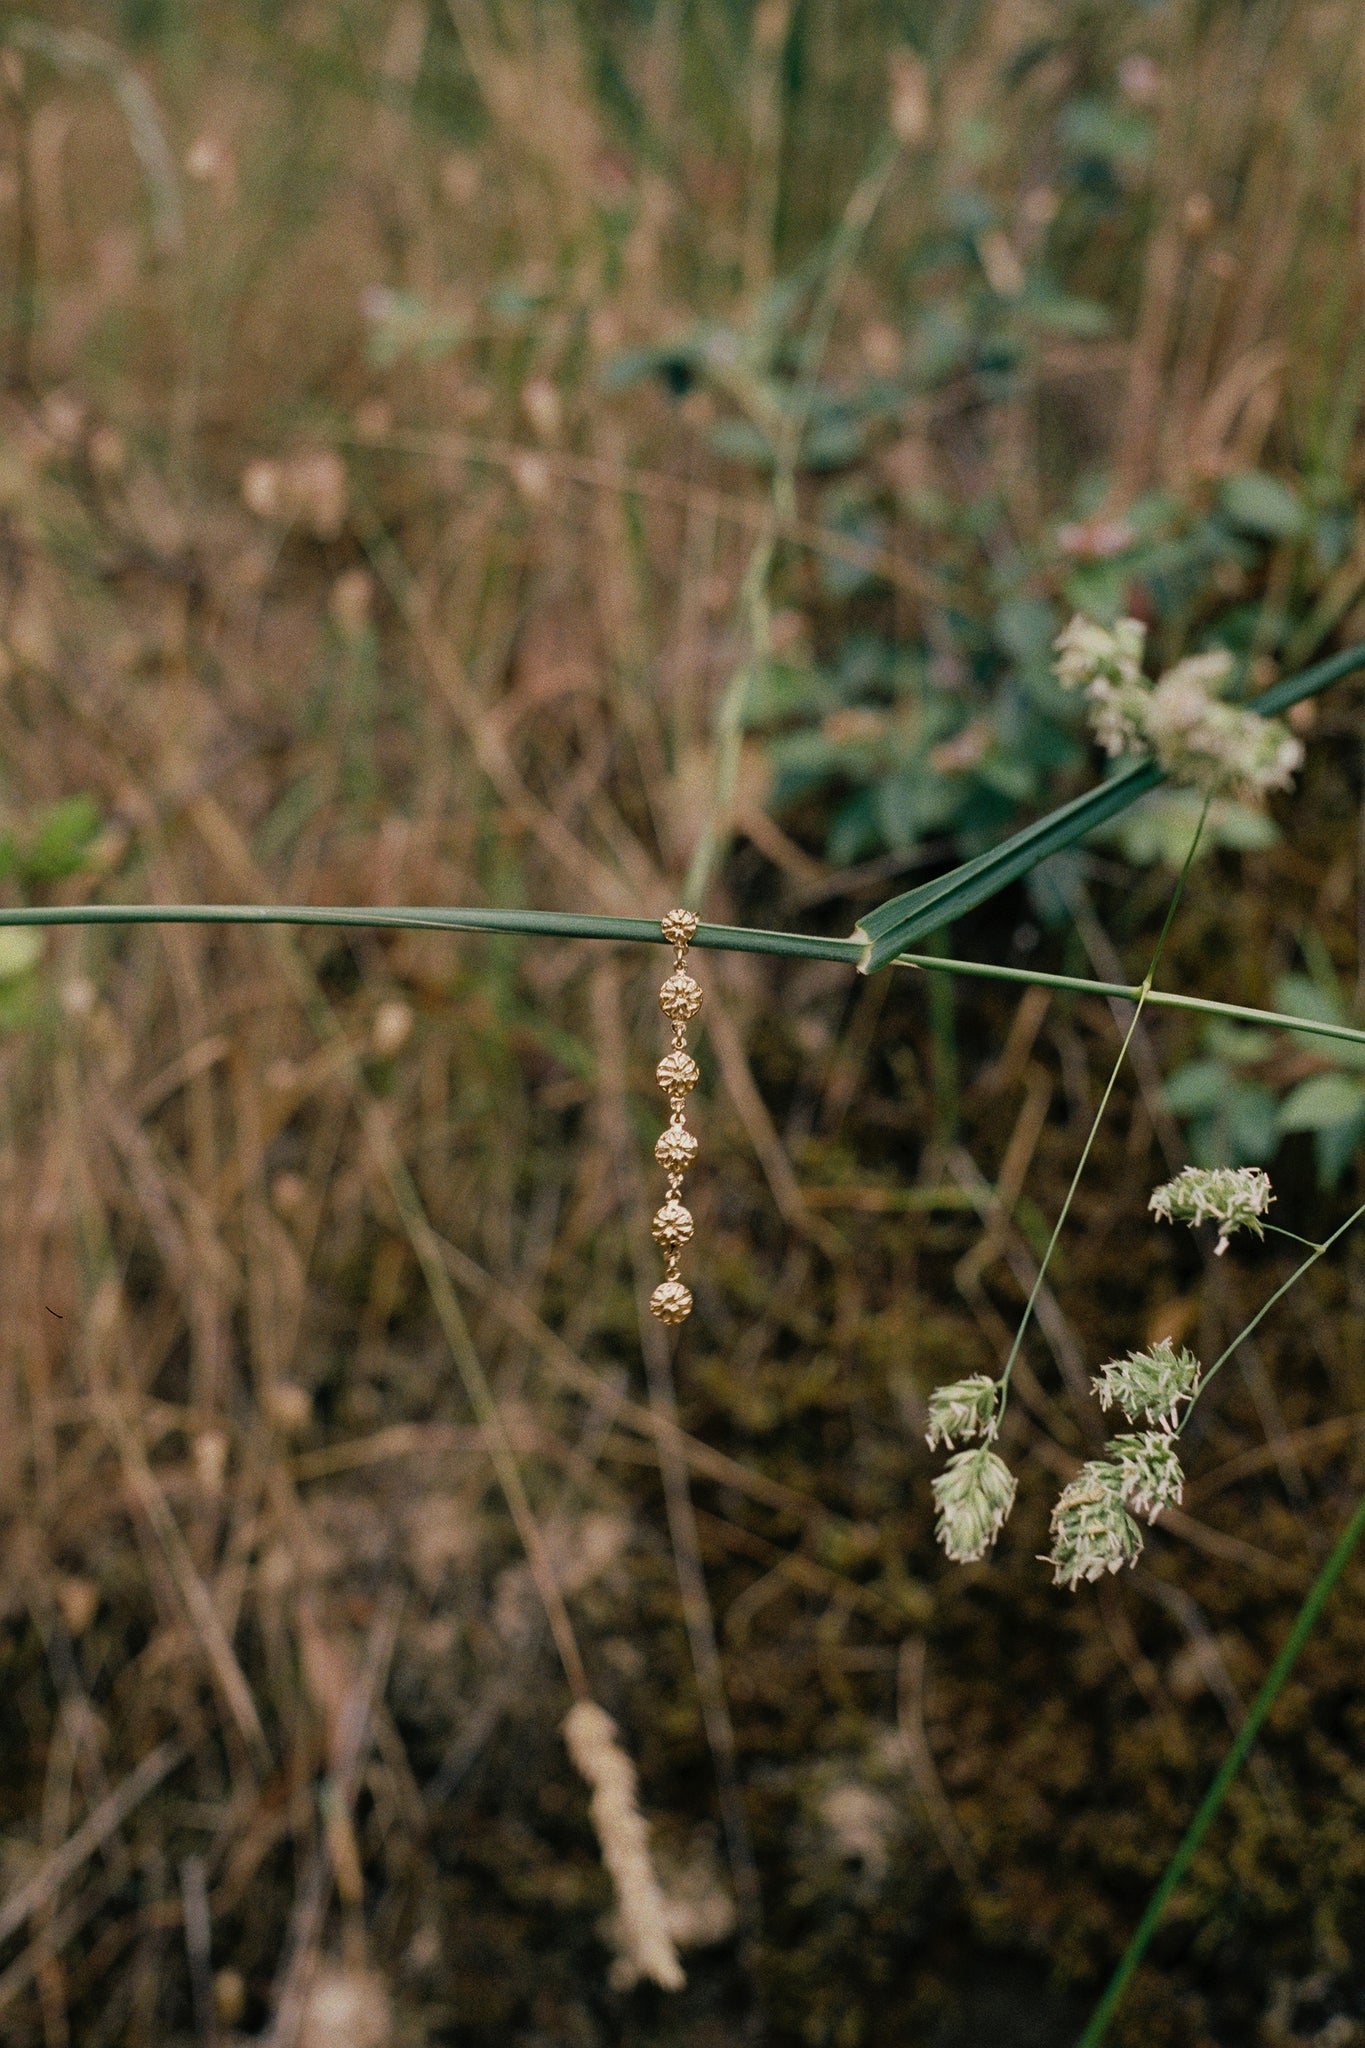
{"points": [[310, 1906], [91, 1835], [919, 1760], [598, 473], [198, 1602], [194, 1898], [762, 1134]]}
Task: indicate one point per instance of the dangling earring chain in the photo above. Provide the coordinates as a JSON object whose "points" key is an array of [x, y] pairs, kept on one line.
{"points": [[680, 1000]]}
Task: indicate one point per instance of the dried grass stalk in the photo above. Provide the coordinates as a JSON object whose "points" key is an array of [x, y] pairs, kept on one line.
{"points": [[594, 1742]]}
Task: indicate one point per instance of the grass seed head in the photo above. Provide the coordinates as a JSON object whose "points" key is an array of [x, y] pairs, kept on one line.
{"points": [[1151, 1385], [966, 1409], [1150, 1474], [1233, 1197], [1092, 1531], [973, 1495]]}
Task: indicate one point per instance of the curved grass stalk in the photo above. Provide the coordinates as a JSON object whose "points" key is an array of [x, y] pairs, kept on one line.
{"points": [[717, 938], [76, 50], [1318, 1251], [782, 509], [1304, 1622], [1143, 996]]}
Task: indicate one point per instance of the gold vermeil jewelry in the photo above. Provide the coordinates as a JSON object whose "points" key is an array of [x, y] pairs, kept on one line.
{"points": [[680, 1000]]}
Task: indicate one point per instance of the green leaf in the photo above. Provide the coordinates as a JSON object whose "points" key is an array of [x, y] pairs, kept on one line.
{"points": [[832, 444], [1230, 1121], [61, 842], [1262, 505], [854, 831], [1024, 628], [776, 692], [1062, 313], [894, 925], [1333, 1148], [21, 947], [1240, 1044], [1302, 997], [1119, 135], [403, 324], [1162, 825], [1320, 1102], [741, 441], [1248, 1119], [915, 803], [1197, 1088], [674, 366]]}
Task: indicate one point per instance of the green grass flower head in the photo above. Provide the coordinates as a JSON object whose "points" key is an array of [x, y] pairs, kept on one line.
{"points": [[966, 1409], [1221, 749], [1233, 1197], [1150, 1475], [973, 1495], [1154, 1384], [1106, 663], [1092, 1530], [1088, 653]]}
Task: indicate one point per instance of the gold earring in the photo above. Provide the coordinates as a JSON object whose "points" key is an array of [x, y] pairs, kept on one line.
{"points": [[678, 1074]]}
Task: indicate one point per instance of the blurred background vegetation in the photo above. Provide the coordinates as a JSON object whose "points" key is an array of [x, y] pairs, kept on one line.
{"points": [[488, 451]]}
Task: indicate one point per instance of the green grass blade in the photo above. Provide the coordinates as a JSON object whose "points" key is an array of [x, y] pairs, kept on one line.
{"points": [[893, 926], [718, 938], [1304, 1623]]}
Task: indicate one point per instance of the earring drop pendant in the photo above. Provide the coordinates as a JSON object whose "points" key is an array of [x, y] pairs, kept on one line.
{"points": [[680, 999]]}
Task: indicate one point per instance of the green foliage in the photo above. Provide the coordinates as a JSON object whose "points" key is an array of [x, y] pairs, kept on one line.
{"points": [[1159, 829], [897, 924], [52, 845], [404, 326], [1262, 505], [960, 727], [59, 842], [1241, 1099]]}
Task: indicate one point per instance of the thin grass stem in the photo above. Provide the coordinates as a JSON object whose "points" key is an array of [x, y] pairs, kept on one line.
{"points": [[1142, 995], [1207, 1811], [1319, 1251], [1304, 1623], [755, 596], [1293, 1236]]}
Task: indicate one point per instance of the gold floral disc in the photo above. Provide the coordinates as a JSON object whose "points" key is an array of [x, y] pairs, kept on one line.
{"points": [[675, 1149], [672, 1225], [680, 927], [677, 1073], [671, 1302], [680, 997]]}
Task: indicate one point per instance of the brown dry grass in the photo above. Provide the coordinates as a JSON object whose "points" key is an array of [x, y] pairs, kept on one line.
{"points": [[280, 1704]]}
